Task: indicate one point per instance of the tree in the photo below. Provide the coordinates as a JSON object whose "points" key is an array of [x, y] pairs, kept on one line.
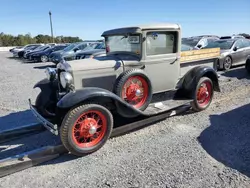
{"points": [[21, 40]]}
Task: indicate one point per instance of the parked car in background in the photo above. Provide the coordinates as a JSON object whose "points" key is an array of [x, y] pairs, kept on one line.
{"points": [[97, 51], [185, 47], [17, 47], [233, 51], [199, 42], [26, 47], [232, 37], [56, 57], [40, 49], [43, 56], [71, 56], [32, 48]]}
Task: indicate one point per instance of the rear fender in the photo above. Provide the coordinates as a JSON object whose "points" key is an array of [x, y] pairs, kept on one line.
{"points": [[93, 94], [192, 77]]}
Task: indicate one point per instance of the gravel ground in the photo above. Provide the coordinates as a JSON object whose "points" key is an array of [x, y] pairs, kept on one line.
{"points": [[206, 149]]}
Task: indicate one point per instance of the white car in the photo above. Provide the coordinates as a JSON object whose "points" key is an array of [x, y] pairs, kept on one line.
{"points": [[16, 50]]}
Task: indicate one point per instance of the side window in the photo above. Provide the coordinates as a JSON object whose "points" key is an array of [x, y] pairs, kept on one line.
{"points": [[246, 43], [239, 44], [81, 47], [159, 43]]}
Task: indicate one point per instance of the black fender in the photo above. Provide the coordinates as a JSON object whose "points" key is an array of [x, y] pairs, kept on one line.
{"points": [[192, 77], [94, 94], [48, 89]]}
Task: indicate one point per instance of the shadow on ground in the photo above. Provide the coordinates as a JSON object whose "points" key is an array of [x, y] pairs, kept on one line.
{"points": [[239, 73], [227, 139], [45, 66], [16, 119], [27, 142], [32, 142]]}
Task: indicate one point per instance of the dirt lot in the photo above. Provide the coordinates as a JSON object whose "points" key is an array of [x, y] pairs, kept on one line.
{"points": [[206, 149]]}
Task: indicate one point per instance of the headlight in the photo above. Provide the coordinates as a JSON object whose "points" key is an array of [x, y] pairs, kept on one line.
{"points": [[50, 73], [66, 79]]}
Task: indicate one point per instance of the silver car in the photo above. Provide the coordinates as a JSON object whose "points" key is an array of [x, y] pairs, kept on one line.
{"points": [[233, 51]]}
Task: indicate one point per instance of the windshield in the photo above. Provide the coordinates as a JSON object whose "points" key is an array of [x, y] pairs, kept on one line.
{"points": [[70, 47], [43, 47], [91, 46], [100, 46], [222, 44], [121, 43], [191, 42]]}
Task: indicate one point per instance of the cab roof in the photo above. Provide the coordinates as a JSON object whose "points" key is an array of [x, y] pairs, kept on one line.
{"points": [[140, 28]]}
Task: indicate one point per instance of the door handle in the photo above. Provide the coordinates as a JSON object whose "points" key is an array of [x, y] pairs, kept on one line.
{"points": [[174, 61]]}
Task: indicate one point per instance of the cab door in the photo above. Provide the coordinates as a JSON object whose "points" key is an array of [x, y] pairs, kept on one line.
{"points": [[238, 52], [162, 59]]}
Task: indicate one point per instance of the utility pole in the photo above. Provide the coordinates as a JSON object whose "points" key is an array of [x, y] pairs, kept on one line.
{"points": [[51, 27]]}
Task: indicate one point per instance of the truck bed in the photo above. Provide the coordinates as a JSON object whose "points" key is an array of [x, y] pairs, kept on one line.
{"points": [[190, 59]]}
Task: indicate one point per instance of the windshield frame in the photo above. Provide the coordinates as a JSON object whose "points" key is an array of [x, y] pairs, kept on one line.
{"points": [[124, 52]]}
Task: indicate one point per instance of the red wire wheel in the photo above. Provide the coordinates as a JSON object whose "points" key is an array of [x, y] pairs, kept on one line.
{"points": [[135, 91], [204, 94], [86, 129], [89, 129], [134, 87]]}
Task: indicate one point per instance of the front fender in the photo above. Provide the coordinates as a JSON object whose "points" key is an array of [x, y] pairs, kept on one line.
{"points": [[77, 97], [192, 77], [46, 85]]}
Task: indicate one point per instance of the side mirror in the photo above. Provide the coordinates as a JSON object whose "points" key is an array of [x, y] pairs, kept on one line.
{"points": [[235, 48], [76, 49]]}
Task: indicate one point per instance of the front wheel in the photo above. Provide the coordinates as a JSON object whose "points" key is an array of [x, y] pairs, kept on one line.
{"points": [[44, 58], [86, 128], [203, 94], [227, 64]]}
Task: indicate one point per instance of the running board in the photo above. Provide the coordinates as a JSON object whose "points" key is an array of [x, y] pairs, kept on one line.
{"points": [[164, 106]]}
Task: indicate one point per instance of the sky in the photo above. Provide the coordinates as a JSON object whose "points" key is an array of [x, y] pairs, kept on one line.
{"points": [[88, 19]]}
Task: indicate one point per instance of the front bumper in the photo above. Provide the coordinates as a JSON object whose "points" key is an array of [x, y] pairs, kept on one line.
{"points": [[48, 125]]}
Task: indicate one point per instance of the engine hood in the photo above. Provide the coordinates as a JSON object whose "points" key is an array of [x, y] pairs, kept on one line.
{"points": [[103, 62]]}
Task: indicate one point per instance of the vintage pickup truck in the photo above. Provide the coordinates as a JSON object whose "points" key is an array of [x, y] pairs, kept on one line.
{"points": [[143, 73]]}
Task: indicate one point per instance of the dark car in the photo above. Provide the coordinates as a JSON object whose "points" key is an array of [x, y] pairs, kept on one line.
{"points": [[42, 48], [98, 50], [28, 49], [233, 51], [43, 56], [70, 50]]}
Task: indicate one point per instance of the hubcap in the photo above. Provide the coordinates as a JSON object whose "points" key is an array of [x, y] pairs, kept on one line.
{"points": [[135, 91], [204, 93], [227, 63], [89, 129], [44, 58]]}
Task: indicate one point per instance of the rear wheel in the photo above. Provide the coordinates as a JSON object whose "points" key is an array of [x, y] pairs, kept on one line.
{"points": [[247, 66], [86, 128], [203, 94], [44, 58]]}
